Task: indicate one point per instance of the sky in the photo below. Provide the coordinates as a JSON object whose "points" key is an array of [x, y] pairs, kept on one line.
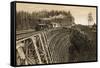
{"points": [[80, 13]]}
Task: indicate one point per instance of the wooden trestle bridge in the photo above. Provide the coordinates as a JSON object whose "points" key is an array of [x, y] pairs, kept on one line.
{"points": [[42, 47]]}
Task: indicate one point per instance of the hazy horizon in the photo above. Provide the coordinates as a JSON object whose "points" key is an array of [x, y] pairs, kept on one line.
{"points": [[80, 13]]}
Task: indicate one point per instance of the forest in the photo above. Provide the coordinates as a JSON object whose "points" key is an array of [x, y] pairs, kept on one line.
{"points": [[26, 20]]}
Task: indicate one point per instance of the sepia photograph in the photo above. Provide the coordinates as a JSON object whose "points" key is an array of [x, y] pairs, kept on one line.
{"points": [[55, 34]]}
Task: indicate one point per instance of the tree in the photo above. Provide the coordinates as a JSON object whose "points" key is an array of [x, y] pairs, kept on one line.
{"points": [[90, 18]]}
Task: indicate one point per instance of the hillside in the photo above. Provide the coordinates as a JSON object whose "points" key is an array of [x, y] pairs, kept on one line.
{"points": [[72, 44]]}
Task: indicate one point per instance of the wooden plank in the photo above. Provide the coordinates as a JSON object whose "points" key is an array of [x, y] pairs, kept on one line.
{"points": [[43, 48], [36, 49], [46, 46]]}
